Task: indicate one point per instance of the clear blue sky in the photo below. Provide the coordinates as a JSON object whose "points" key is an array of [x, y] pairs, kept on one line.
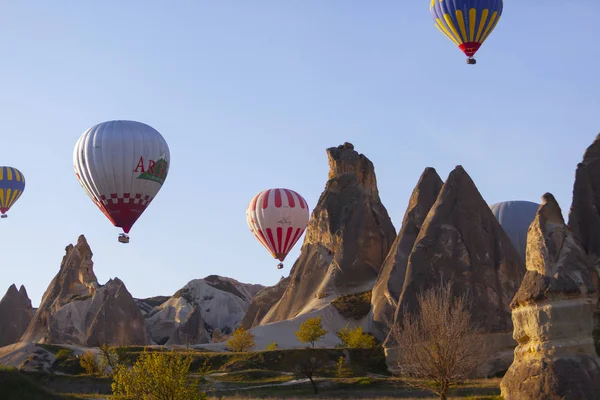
{"points": [[249, 94]]}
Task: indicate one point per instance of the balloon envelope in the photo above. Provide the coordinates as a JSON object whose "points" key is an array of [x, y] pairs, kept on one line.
{"points": [[515, 218], [277, 217], [467, 23], [121, 165], [12, 185]]}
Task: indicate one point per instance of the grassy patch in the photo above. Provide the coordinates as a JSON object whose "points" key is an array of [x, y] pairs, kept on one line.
{"points": [[355, 305], [361, 361], [254, 376], [52, 348], [17, 386]]}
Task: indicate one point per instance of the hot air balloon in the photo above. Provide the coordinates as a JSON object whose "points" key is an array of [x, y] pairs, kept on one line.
{"points": [[468, 23], [277, 217], [515, 218], [121, 165], [12, 185]]}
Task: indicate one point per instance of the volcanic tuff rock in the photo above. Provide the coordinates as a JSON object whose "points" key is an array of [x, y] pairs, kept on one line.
{"points": [[552, 315], [262, 303], [146, 306], [15, 315], [348, 236], [191, 331], [584, 215], [75, 309], [222, 302], [391, 278], [461, 241]]}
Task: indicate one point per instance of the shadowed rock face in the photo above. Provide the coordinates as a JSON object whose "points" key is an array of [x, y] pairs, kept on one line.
{"points": [[262, 303], [389, 284], [75, 309], [15, 315], [461, 241], [584, 215], [191, 331], [552, 315], [347, 238]]}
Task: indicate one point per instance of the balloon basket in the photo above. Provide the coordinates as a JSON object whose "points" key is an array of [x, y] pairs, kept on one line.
{"points": [[471, 61], [123, 238], [3, 216], [280, 266]]}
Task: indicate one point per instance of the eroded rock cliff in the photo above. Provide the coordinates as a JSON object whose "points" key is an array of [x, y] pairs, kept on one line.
{"points": [[462, 241], [389, 284], [348, 236], [552, 315], [75, 309], [15, 315]]}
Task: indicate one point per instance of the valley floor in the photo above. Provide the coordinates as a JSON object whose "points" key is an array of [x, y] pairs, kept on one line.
{"points": [[229, 386]]}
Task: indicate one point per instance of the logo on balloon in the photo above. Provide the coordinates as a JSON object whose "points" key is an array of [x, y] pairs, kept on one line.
{"points": [[156, 171], [284, 221]]}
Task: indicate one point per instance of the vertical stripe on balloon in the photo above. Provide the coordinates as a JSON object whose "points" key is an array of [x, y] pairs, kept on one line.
{"points": [[290, 198], [288, 236], [279, 239], [265, 199]]}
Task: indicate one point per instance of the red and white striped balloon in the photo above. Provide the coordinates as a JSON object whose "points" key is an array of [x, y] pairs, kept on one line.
{"points": [[277, 217]]}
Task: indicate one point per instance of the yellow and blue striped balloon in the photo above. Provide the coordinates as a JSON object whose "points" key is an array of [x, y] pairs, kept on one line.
{"points": [[467, 23], [12, 184]]}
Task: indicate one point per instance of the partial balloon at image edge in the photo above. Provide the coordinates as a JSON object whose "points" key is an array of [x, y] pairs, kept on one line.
{"points": [[12, 186], [467, 23]]}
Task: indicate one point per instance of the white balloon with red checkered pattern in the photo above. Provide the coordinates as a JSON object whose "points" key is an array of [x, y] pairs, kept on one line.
{"points": [[277, 217], [121, 165]]}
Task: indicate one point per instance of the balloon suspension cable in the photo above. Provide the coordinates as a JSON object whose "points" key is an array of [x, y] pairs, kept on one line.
{"points": [[123, 238], [280, 266], [471, 61]]}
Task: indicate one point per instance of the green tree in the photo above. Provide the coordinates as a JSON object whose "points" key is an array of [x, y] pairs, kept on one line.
{"points": [[156, 376], [311, 331], [272, 346], [356, 338], [89, 363], [242, 340], [109, 359]]}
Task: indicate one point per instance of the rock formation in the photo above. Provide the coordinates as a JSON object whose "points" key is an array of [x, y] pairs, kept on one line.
{"points": [[584, 215], [461, 241], [219, 337], [552, 315], [348, 236], [15, 315], [391, 278], [262, 303], [113, 317], [148, 305], [75, 309], [222, 303], [191, 331]]}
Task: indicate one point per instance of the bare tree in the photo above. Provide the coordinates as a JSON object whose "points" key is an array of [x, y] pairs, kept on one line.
{"points": [[438, 342], [309, 364]]}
